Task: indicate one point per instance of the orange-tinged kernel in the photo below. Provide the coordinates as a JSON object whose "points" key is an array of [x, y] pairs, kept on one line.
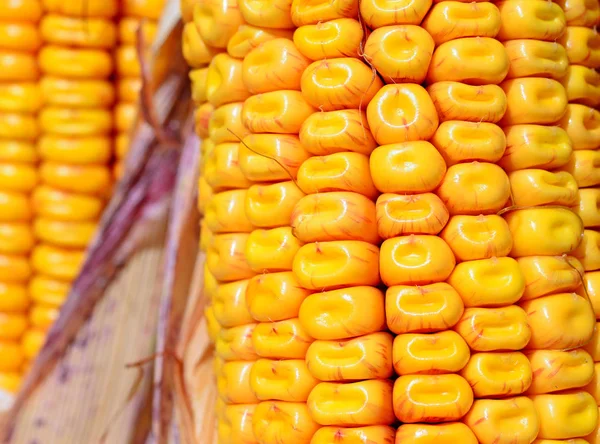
{"points": [[401, 113], [14, 207], [560, 321], [285, 339], [474, 188], [235, 343], [75, 122], [593, 388], [86, 179], [378, 13], [13, 297], [315, 11], [14, 268], [222, 168], [15, 177], [592, 438], [125, 116], [128, 90], [449, 20], [195, 50], [355, 435], [43, 316], [12, 326], [16, 238], [425, 308], [415, 260], [477, 237], [217, 21], [32, 342], [248, 37], [503, 421], [431, 398], [536, 20], [276, 421], [18, 66], [128, 28], [91, 8], [260, 12], [336, 131], [18, 126], [64, 234], [364, 357], [225, 212], [229, 302], [121, 146], [490, 329], [582, 124], [271, 205], [49, 291], [582, 45], [205, 194], [460, 141], [336, 264], [588, 251], [224, 82], [459, 101], [556, 370], [339, 83], [330, 39], [545, 275], [285, 380], [473, 60], [202, 117], [430, 354], [75, 63], [205, 236], [344, 171], [198, 84], [536, 58], [533, 100], [342, 314], [591, 281], [61, 206], [498, 374], [234, 383], [10, 381], [225, 124], [400, 53], [272, 250], [534, 187], [76, 151], [281, 112], [239, 419], [409, 167], [149, 9], [584, 166], [271, 157], [56, 262], [21, 10], [445, 433], [399, 214], [226, 258], [273, 65], [88, 32], [275, 297], [20, 97], [580, 12], [567, 415], [352, 404], [11, 356], [535, 146], [335, 216], [582, 85]]}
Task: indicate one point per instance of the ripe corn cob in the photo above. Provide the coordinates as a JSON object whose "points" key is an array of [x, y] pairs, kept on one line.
{"points": [[75, 147], [19, 103]]}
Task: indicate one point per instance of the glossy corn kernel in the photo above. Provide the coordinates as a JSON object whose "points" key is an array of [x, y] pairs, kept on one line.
{"points": [[274, 421], [230, 305], [354, 435], [555, 370], [564, 416], [378, 13], [285, 339], [399, 214], [281, 112], [331, 39], [271, 206], [545, 275], [498, 374], [234, 383], [444, 433], [536, 20], [453, 20], [286, 380], [477, 237], [272, 250], [235, 343], [458, 101], [217, 21], [249, 37]]}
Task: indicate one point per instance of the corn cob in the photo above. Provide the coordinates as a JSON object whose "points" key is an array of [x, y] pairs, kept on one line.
{"points": [[19, 103], [75, 147]]}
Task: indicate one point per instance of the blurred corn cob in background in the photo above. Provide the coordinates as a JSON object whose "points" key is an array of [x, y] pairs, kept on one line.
{"points": [[19, 103]]}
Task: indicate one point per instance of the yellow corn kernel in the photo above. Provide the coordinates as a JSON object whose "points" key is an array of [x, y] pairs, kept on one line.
{"points": [[275, 13], [222, 168], [205, 236], [21, 10], [88, 32], [445, 433], [212, 325], [344, 313], [270, 206], [431, 398], [75, 122], [555, 370], [18, 126], [32, 342], [226, 259], [217, 21], [42, 316], [56, 262], [588, 207], [64, 234], [272, 66], [128, 28], [425, 308], [58, 205], [14, 207], [12, 326], [281, 112], [272, 250], [195, 51], [211, 285], [534, 187], [18, 65], [225, 124], [591, 281], [364, 357], [239, 421], [75, 63], [415, 260], [378, 13], [430, 354], [458, 101], [453, 20], [128, 90], [92, 8], [20, 97], [286, 380], [335, 264], [588, 251], [201, 122], [490, 329], [235, 343], [11, 356], [582, 124], [498, 374], [317, 11], [276, 421], [584, 166], [275, 297], [582, 85], [44, 290], [10, 381], [537, 20], [331, 39], [335, 216], [352, 404], [581, 44], [229, 303], [125, 116], [224, 81], [19, 36], [16, 238], [285, 339], [593, 346], [248, 37], [225, 212], [17, 177], [150, 9], [271, 157], [77, 93], [335, 131], [533, 100], [205, 194], [580, 12], [561, 321], [544, 231], [545, 275], [564, 416], [339, 83], [593, 388], [198, 83], [410, 214], [535, 146], [356, 435], [344, 171], [234, 383], [14, 268], [503, 421], [477, 237], [536, 58], [13, 297]]}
